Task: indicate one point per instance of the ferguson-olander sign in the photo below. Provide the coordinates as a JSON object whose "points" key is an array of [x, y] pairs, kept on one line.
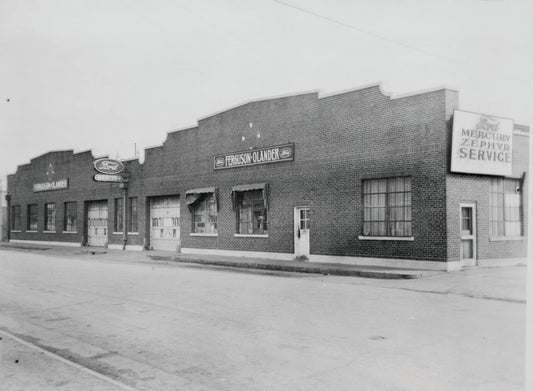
{"points": [[481, 144], [52, 185], [252, 157]]}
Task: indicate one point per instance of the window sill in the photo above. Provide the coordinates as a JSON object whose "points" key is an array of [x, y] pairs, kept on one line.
{"points": [[391, 238], [49, 232], [15, 230], [250, 235], [132, 233], [202, 234], [70, 232], [505, 238], [118, 233], [31, 231]]}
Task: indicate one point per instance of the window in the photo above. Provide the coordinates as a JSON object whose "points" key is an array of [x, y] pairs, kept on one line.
{"points": [[32, 217], [16, 218], [133, 226], [119, 216], [505, 207], [387, 207], [204, 214], [50, 217], [71, 216], [251, 213]]}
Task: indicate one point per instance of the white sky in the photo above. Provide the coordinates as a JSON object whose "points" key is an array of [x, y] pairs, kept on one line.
{"points": [[104, 74]]}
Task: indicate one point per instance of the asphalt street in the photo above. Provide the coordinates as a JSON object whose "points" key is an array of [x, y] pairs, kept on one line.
{"points": [[159, 326]]}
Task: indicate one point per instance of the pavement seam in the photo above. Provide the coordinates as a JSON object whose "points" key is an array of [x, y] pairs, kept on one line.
{"points": [[67, 362]]}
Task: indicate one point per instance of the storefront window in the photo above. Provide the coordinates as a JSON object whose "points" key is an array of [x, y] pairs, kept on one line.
{"points": [[71, 216], [32, 217], [50, 217], [16, 218], [119, 216], [204, 214], [251, 213], [387, 207], [133, 215], [505, 207]]}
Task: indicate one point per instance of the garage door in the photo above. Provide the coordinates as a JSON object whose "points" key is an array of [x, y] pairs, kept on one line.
{"points": [[97, 223], [164, 223]]}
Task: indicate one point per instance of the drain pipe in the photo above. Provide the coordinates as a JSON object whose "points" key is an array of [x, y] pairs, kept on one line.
{"points": [[124, 187]]}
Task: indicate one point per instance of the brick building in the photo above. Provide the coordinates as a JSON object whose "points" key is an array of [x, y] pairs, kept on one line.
{"points": [[356, 177]]}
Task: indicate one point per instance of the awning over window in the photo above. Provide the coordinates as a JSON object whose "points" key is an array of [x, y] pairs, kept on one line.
{"points": [[235, 190], [193, 195]]}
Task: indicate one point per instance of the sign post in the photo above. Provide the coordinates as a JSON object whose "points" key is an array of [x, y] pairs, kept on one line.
{"points": [[108, 172]]}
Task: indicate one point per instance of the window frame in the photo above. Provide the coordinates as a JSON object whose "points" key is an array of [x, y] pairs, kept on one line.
{"points": [[257, 204], [133, 215], [500, 210], [389, 194], [118, 216], [50, 213], [67, 207], [16, 218], [207, 203], [32, 226]]}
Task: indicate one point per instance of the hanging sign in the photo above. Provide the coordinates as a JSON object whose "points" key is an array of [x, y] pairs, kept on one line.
{"points": [[481, 144], [108, 166], [276, 154], [108, 178]]}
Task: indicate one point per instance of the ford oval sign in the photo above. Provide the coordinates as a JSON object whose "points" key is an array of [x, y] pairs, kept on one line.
{"points": [[108, 166]]}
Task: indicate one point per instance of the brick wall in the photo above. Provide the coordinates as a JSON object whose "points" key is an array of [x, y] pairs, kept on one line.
{"points": [[465, 188], [339, 141]]}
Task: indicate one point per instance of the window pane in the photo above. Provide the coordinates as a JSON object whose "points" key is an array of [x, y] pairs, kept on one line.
{"points": [[119, 221], [70, 217], [386, 205], [50, 217]]}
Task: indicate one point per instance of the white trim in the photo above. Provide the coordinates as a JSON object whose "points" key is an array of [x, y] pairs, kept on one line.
{"points": [[505, 238], [117, 233], [132, 247], [400, 238], [133, 233], [15, 230], [520, 133], [250, 235], [70, 232], [235, 253], [32, 231], [387, 262], [202, 234], [49, 232], [69, 244]]}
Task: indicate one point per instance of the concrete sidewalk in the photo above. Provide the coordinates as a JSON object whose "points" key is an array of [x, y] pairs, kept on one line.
{"points": [[24, 366], [263, 264]]}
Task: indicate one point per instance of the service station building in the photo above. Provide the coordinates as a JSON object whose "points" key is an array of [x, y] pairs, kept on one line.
{"points": [[356, 177]]}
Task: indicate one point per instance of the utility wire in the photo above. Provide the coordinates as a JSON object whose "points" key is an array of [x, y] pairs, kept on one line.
{"points": [[360, 30], [393, 41]]}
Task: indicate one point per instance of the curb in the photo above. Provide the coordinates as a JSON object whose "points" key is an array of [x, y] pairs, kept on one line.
{"points": [[308, 268]]}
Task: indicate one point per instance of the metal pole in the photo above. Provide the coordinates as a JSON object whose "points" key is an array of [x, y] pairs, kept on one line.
{"points": [[124, 187], [8, 225]]}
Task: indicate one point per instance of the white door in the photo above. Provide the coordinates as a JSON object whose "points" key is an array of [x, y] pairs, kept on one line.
{"points": [[97, 223], [302, 228], [468, 234], [164, 223]]}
